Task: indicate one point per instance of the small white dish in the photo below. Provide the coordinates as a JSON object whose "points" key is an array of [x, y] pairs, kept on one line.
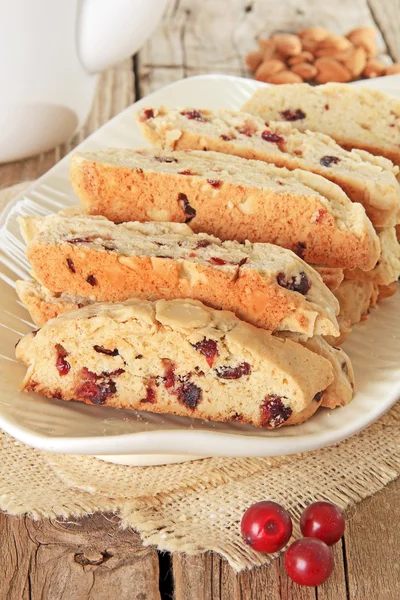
{"points": [[128, 437]]}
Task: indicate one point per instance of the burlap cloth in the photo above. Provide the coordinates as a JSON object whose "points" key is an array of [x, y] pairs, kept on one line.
{"points": [[196, 506]]}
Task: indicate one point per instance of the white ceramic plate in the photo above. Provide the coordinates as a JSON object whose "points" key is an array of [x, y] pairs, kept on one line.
{"points": [[143, 438]]}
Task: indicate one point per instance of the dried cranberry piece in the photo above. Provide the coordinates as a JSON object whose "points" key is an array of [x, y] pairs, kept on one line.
{"points": [[318, 396], [270, 136], [215, 183], [165, 159], [147, 113], [103, 350], [299, 283], [188, 210], [207, 348], [217, 261], [327, 161], [273, 412], [226, 138], [185, 172], [63, 367], [80, 240], [96, 393], [92, 280], [320, 215], [113, 373], [193, 115], [189, 394], [169, 373], [243, 261], [202, 244], [57, 394], [71, 265], [226, 372], [300, 249], [150, 394], [293, 115]]}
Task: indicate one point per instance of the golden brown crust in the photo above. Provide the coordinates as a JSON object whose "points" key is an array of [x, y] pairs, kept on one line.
{"points": [[252, 297], [259, 215]]}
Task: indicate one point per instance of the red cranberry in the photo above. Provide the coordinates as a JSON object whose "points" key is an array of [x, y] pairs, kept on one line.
{"points": [[266, 527], [189, 394], [150, 394], [71, 265], [147, 113], [92, 280], [270, 136], [169, 373], [320, 215], [185, 172], [226, 138], [327, 161], [324, 521], [80, 240], [193, 115], [215, 183], [293, 115], [63, 367], [226, 372], [96, 393], [207, 348], [187, 209], [309, 562], [273, 411], [103, 350], [215, 260], [202, 244], [300, 283]]}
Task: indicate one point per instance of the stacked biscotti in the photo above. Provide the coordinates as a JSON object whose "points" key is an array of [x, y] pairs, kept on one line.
{"points": [[213, 275]]}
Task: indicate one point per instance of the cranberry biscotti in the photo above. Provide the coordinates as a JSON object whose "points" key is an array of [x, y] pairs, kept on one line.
{"points": [[230, 197], [356, 117], [365, 178], [43, 306], [263, 284], [176, 357]]}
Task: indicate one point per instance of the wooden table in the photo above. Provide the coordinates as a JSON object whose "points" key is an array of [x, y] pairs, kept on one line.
{"points": [[91, 559]]}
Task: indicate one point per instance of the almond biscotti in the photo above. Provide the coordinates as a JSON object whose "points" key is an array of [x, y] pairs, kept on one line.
{"points": [[365, 178], [176, 357], [229, 197], [44, 306], [263, 284], [356, 117]]}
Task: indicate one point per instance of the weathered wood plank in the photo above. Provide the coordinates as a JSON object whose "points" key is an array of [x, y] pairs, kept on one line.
{"points": [[372, 547], [387, 17], [85, 559]]}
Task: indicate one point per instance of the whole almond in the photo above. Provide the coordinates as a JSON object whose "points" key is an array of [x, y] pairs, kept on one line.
{"points": [[330, 69], [338, 42], [254, 59], [364, 41], [287, 44], [356, 62], [267, 47], [268, 68], [374, 68], [302, 57], [364, 31], [284, 77], [314, 33], [333, 52], [392, 69], [305, 70], [309, 45]]}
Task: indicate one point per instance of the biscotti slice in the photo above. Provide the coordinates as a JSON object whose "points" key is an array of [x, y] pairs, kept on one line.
{"points": [[176, 357], [229, 197], [341, 391], [387, 269], [332, 277], [263, 284], [355, 297], [365, 178], [356, 117], [43, 306]]}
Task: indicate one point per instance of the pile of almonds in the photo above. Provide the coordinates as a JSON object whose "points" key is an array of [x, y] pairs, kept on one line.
{"points": [[316, 55]]}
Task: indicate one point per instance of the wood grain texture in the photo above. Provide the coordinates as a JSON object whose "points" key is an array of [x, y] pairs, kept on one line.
{"points": [[86, 559]]}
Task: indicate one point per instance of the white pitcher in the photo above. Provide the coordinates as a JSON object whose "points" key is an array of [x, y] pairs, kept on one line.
{"points": [[50, 54]]}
